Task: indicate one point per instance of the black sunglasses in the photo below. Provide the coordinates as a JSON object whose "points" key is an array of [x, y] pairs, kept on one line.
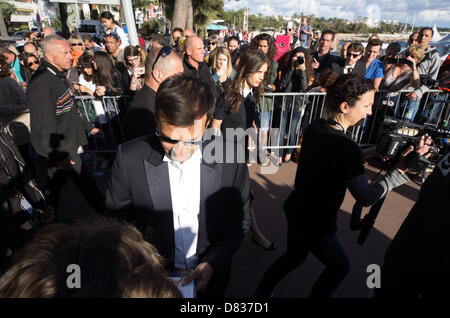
{"points": [[31, 63], [353, 55], [211, 43], [75, 44], [165, 50], [187, 143]]}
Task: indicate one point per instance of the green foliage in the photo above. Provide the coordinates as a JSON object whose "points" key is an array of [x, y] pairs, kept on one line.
{"points": [[7, 10]]}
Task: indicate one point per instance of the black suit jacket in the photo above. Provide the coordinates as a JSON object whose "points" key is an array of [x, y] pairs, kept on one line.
{"points": [[359, 68], [139, 191]]}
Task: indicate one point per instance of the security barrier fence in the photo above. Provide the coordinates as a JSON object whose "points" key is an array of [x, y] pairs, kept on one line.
{"points": [[284, 119]]}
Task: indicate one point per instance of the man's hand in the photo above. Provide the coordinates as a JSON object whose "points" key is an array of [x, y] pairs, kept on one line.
{"points": [[315, 64], [65, 164], [97, 132], [202, 275], [411, 96]]}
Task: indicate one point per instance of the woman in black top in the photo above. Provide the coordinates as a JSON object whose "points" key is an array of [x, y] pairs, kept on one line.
{"points": [[236, 109], [329, 163]]}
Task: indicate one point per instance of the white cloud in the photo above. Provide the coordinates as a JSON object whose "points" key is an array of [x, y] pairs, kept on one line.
{"points": [[427, 12]]}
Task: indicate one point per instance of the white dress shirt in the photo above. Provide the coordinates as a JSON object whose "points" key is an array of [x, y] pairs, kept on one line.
{"points": [[185, 192]]}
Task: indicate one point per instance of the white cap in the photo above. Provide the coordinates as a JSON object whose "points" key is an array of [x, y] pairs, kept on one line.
{"points": [[290, 25]]}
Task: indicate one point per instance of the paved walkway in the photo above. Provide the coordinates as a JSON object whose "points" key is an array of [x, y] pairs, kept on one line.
{"points": [[251, 261], [271, 190]]}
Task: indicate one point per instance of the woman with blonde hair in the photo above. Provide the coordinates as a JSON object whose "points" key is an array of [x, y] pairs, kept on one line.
{"points": [[77, 47], [221, 68]]}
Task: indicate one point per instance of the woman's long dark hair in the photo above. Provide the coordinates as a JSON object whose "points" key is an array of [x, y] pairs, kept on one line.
{"points": [[5, 69], [104, 74], [86, 60], [308, 63], [108, 15], [250, 62], [265, 37], [25, 57]]}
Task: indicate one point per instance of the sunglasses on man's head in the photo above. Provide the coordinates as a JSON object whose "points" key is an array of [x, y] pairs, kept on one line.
{"points": [[187, 143], [165, 50], [34, 62], [77, 44]]}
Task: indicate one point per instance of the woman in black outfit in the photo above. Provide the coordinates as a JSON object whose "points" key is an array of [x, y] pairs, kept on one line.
{"points": [[329, 163], [237, 109]]}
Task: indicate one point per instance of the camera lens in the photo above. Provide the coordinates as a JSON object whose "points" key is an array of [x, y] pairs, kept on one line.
{"points": [[300, 60]]}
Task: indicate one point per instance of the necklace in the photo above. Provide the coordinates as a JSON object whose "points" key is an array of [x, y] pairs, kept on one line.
{"points": [[335, 123]]}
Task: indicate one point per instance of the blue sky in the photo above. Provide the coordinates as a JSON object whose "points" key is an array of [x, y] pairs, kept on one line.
{"points": [[427, 12]]}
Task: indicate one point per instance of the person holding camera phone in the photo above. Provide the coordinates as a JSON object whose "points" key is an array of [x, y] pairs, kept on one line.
{"points": [[133, 75], [295, 79], [221, 68], [330, 163], [401, 74]]}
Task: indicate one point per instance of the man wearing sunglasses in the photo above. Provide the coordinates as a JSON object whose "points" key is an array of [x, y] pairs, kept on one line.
{"points": [[194, 62], [191, 207], [351, 64], [159, 64]]}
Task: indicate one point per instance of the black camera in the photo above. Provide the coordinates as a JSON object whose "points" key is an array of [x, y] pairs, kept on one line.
{"points": [[392, 143], [399, 61], [427, 81], [299, 61]]}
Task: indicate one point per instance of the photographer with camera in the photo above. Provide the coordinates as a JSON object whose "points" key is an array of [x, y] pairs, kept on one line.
{"points": [[329, 163], [402, 73], [428, 69], [295, 79], [134, 73]]}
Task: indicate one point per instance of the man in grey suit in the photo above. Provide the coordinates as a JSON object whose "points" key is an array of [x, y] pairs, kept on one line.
{"points": [[193, 209]]}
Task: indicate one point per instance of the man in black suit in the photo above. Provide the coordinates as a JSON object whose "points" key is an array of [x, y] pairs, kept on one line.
{"points": [[323, 58], [352, 63], [191, 204]]}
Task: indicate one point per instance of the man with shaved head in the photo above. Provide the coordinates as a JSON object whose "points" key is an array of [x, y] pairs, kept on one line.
{"points": [[57, 127], [194, 62], [159, 65]]}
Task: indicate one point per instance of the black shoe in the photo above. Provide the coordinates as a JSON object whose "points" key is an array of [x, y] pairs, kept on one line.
{"points": [[272, 246]]}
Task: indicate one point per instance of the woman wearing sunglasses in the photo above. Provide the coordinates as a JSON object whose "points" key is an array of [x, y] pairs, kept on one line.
{"points": [[31, 63], [77, 46]]}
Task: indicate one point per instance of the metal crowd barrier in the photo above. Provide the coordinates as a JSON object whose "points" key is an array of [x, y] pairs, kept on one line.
{"points": [[288, 116]]}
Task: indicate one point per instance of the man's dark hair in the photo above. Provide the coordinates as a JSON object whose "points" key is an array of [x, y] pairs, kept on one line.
{"points": [[87, 37], [179, 30], [181, 100], [112, 35], [234, 37], [355, 47], [160, 39], [374, 42], [333, 34], [426, 28]]}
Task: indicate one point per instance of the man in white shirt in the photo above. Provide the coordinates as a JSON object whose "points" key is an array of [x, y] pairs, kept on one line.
{"points": [[193, 209]]}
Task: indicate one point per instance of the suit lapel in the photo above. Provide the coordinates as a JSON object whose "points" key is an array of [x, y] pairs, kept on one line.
{"points": [[210, 183], [159, 185]]}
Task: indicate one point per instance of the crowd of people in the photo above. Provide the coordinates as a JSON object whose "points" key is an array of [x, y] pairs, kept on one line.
{"points": [[194, 211]]}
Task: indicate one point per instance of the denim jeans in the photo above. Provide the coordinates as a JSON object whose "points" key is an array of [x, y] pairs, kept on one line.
{"points": [[411, 108], [438, 103], [329, 250], [292, 137]]}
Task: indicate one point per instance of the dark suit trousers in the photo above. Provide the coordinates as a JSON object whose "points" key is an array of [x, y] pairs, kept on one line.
{"points": [[217, 285]]}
